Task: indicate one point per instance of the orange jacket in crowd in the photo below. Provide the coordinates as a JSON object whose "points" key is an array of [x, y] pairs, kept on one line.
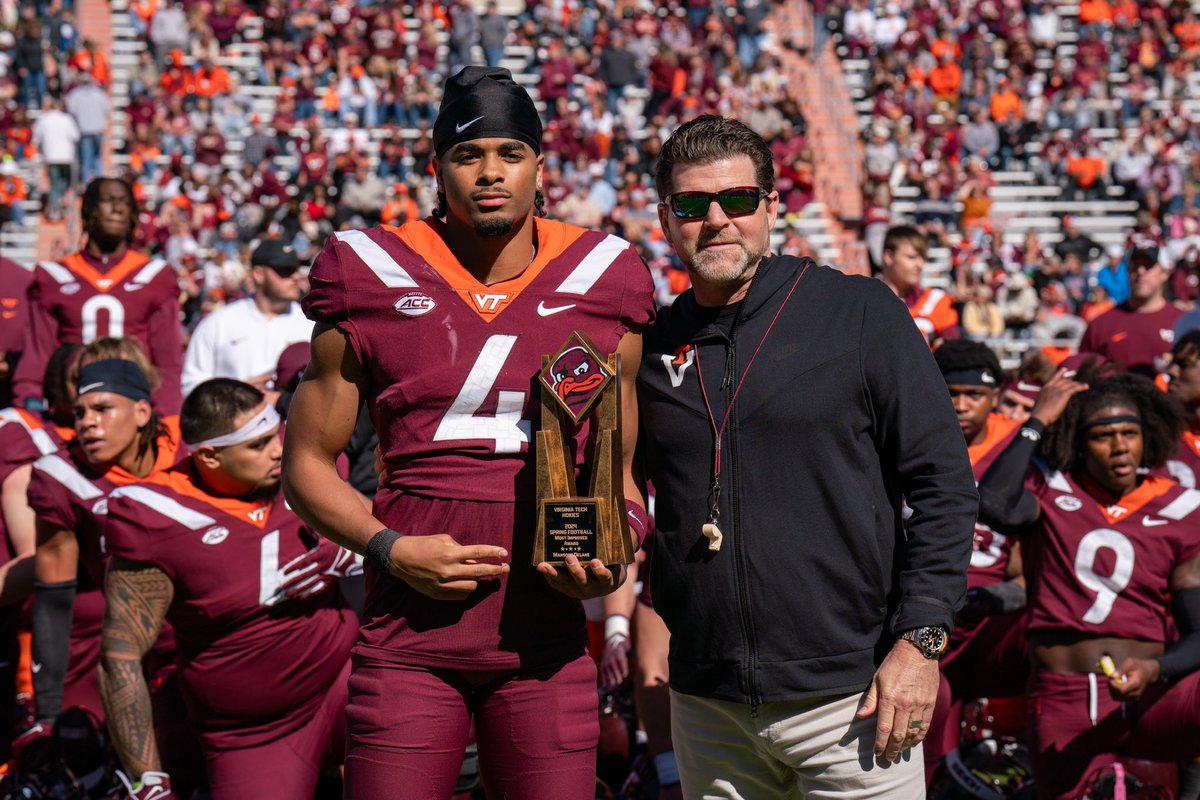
{"points": [[1005, 102], [1094, 11], [12, 190], [1086, 170], [209, 82], [946, 79], [94, 63]]}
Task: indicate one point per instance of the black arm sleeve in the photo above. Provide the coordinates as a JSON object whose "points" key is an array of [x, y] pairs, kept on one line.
{"points": [[1183, 657], [52, 613], [917, 436], [1003, 501]]}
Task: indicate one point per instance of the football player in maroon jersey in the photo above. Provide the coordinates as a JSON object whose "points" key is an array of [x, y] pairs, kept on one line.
{"points": [[24, 437], [119, 439], [263, 636], [443, 323], [1110, 542], [105, 289], [1185, 385], [987, 654]]}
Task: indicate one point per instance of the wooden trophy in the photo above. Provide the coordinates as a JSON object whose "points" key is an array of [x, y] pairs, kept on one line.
{"points": [[577, 382]]}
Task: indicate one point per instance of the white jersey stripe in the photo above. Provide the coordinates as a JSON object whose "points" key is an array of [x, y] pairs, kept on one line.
{"points": [[935, 296], [594, 265], [147, 273], [164, 505], [375, 257], [58, 468], [41, 439], [58, 272], [1181, 506], [1056, 480]]}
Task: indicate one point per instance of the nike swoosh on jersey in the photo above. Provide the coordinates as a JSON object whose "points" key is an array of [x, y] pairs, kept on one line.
{"points": [[465, 125], [546, 311], [1151, 522], [35, 667]]}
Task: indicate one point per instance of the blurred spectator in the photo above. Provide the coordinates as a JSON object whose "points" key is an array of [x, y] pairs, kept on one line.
{"points": [[90, 60], [169, 29], [464, 33], [245, 338], [13, 194], [89, 105], [981, 316], [56, 136], [1113, 277], [363, 195], [1018, 302], [29, 64], [493, 30], [1076, 242], [618, 69]]}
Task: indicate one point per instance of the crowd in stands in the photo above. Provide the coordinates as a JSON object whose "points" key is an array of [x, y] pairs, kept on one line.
{"points": [[1090, 100]]}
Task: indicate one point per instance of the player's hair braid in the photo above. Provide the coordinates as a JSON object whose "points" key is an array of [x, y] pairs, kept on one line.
{"points": [[960, 354], [1064, 445], [539, 205]]}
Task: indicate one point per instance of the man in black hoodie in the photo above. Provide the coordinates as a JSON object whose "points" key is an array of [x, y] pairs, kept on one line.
{"points": [[789, 414]]}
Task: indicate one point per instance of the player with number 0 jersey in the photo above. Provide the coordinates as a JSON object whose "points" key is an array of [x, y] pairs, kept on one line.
{"points": [[442, 324], [1109, 544], [105, 289]]}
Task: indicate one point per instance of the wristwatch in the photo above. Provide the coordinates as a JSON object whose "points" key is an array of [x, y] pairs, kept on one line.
{"points": [[931, 640]]}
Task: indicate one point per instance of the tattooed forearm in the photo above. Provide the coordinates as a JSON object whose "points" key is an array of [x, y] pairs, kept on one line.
{"points": [[137, 597]]}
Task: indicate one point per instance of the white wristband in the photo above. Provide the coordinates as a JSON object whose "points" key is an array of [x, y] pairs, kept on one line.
{"points": [[615, 624], [666, 769]]}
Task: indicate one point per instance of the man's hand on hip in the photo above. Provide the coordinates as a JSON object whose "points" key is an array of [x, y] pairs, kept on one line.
{"points": [[902, 695]]}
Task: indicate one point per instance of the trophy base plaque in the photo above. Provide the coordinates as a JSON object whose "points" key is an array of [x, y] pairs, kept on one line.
{"points": [[570, 529]]}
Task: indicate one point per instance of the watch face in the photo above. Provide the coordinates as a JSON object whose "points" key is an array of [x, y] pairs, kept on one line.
{"points": [[932, 640]]}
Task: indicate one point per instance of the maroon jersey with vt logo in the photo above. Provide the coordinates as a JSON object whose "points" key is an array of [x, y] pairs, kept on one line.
{"points": [[453, 362], [1104, 570], [251, 672], [78, 300], [453, 365]]}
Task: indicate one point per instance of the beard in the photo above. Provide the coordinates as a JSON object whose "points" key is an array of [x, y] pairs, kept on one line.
{"points": [[494, 226], [718, 269]]}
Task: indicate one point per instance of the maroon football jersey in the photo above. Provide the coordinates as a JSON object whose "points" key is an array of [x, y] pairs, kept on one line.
{"points": [[1131, 338], [1104, 570], [453, 362], [14, 315], [1184, 466], [24, 438], [251, 672], [67, 492], [454, 368], [990, 550], [76, 301]]}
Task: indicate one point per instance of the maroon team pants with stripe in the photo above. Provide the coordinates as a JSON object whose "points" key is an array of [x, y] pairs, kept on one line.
{"points": [[1076, 726], [409, 725]]}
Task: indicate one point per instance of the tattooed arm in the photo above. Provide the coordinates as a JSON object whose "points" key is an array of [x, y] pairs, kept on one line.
{"points": [[136, 600]]}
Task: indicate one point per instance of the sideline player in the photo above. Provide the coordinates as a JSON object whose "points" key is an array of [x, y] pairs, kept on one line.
{"points": [[1185, 386], [904, 249], [1109, 543], [263, 637], [119, 439], [443, 324], [987, 655], [105, 289]]}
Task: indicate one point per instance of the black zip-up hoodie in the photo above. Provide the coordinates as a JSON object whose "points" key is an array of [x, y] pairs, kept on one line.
{"points": [[842, 418]]}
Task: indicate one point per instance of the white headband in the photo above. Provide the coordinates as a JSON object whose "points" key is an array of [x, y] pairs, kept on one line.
{"points": [[258, 425]]}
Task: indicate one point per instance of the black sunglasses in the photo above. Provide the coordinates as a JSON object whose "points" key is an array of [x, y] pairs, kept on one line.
{"points": [[736, 202]]}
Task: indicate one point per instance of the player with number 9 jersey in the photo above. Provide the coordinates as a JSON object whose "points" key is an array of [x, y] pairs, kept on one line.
{"points": [[105, 289], [1112, 552]]}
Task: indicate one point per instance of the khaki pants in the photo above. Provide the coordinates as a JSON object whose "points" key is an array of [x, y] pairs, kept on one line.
{"points": [[797, 749]]}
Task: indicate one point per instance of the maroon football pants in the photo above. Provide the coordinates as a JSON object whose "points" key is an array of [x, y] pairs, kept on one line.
{"points": [[291, 765], [1076, 725], [990, 659], [408, 727]]}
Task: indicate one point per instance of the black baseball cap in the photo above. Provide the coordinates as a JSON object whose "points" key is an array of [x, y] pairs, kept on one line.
{"points": [[275, 255]]}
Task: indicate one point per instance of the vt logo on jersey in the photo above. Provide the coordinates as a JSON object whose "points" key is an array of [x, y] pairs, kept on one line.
{"points": [[678, 362], [415, 304], [489, 304]]}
